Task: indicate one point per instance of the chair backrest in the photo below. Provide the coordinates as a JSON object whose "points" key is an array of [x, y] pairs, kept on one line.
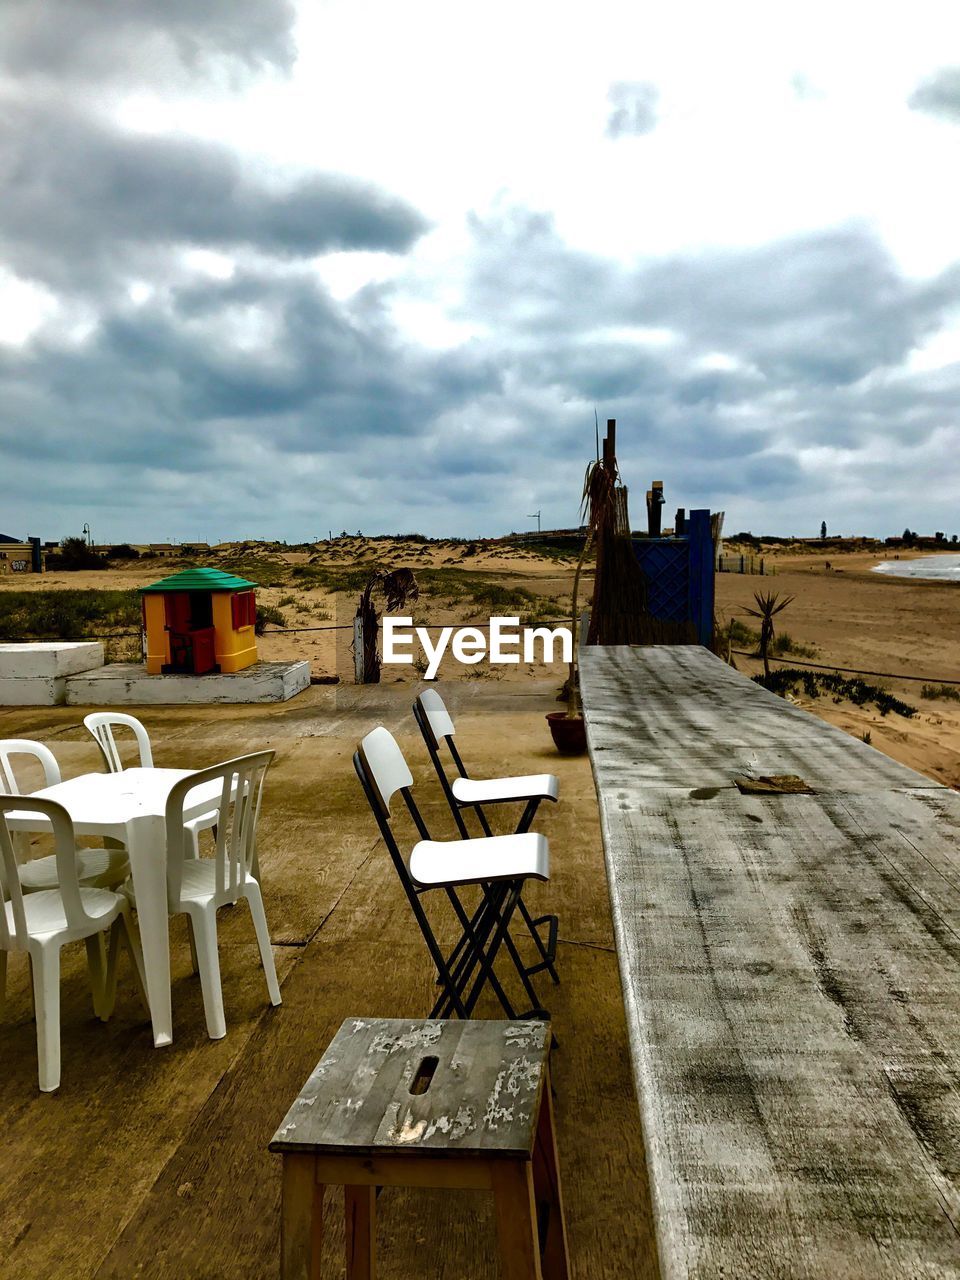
{"points": [[102, 724], [9, 747], [13, 926], [436, 727], [436, 715], [383, 772], [386, 768], [234, 790]]}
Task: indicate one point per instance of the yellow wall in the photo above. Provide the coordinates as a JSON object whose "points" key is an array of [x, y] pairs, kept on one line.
{"points": [[16, 557], [235, 649], [158, 641]]}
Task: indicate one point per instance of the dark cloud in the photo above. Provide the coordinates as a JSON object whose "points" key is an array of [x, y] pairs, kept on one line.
{"points": [[939, 94], [744, 362], [83, 201], [633, 109], [98, 41]]}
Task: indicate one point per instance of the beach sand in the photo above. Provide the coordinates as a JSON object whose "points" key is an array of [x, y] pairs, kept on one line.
{"points": [[907, 629]]}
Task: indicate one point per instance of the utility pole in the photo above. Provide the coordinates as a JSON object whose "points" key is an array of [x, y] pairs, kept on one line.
{"points": [[535, 515]]}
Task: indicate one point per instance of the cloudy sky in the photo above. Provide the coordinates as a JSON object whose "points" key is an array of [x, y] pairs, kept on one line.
{"points": [[269, 269]]}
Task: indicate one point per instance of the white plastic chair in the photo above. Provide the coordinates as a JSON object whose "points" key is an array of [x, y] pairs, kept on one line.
{"points": [[96, 868], [102, 724], [42, 923], [197, 887]]}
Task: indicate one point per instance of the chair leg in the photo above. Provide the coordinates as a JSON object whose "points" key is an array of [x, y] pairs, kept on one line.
{"points": [[123, 927], [204, 926], [255, 899], [45, 968], [98, 966]]}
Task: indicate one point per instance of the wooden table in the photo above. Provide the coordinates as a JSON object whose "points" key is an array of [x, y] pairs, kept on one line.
{"points": [[791, 974], [131, 807], [434, 1103]]}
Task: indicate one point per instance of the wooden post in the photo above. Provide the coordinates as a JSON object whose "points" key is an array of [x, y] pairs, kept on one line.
{"points": [[654, 508], [680, 522], [610, 445], [701, 579], [358, 648]]}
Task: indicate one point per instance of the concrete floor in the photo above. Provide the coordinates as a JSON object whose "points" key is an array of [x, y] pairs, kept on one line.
{"points": [[154, 1163]]}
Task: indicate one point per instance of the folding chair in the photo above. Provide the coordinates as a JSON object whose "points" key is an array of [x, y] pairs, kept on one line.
{"points": [[465, 792], [497, 865]]}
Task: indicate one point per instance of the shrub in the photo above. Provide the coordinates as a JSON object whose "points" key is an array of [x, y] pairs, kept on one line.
{"points": [[67, 614], [268, 614], [74, 554], [815, 683], [948, 691]]}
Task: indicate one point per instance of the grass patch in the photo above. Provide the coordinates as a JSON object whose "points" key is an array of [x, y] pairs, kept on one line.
{"points": [[450, 585], [258, 569], [67, 614], [948, 691], [815, 683], [744, 637], [268, 614]]}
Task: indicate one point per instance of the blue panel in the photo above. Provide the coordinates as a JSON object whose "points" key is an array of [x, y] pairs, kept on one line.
{"points": [[665, 563], [679, 573]]}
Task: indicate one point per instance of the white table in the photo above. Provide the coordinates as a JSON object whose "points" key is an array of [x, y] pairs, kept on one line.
{"points": [[131, 806]]}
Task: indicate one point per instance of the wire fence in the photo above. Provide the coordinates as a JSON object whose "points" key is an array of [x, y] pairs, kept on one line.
{"points": [[853, 671]]}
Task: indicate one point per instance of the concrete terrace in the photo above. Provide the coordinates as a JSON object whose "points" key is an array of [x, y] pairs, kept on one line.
{"points": [[153, 1163]]}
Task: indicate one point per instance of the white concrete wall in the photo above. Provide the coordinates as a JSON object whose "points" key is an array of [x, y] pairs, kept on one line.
{"points": [[127, 684], [49, 658]]}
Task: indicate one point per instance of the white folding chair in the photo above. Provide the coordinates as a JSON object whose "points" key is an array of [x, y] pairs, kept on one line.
{"points": [[197, 887], [464, 792], [42, 923], [96, 868], [497, 865], [102, 725]]}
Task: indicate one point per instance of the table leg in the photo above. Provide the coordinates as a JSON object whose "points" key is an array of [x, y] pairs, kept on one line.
{"points": [[546, 1181], [360, 1204], [516, 1220], [301, 1219], [147, 850]]}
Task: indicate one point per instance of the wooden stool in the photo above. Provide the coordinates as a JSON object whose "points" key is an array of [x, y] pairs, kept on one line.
{"points": [[395, 1103]]}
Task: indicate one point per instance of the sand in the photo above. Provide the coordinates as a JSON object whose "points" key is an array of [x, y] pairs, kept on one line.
{"points": [[848, 615]]}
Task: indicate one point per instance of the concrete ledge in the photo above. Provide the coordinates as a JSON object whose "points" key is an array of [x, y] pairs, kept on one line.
{"points": [[49, 658], [127, 684], [32, 691]]}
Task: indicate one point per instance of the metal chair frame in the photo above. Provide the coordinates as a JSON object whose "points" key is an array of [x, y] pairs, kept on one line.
{"points": [[469, 967], [547, 950]]}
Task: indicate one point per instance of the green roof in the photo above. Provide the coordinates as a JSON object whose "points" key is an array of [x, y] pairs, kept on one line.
{"points": [[200, 580]]}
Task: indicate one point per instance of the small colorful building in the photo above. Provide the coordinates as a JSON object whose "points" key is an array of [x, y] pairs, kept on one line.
{"points": [[199, 620]]}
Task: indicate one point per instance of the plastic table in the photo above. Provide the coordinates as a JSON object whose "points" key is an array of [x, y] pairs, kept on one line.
{"points": [[131, 806]]}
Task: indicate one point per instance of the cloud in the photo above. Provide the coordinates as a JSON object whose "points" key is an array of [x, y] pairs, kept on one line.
{"points": [[633, 110], [84, 200], [939, 94], [169, 41]]}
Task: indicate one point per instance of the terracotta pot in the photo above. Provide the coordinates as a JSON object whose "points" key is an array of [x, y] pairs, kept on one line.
{"points": [[569, 733]]}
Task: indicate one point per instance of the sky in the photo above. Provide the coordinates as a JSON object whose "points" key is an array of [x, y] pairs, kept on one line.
{"points": [[271, 269]]}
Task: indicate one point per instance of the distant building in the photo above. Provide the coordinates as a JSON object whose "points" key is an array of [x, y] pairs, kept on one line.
{"points": [[20, 555]]}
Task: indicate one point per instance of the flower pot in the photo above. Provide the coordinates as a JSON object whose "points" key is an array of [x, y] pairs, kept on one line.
{"points": [[569, 732]]}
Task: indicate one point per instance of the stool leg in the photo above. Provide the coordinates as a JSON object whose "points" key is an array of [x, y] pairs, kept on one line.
{"points": [[301, 1220], [516, 1220], [546, 1182], [360, 1205]]}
